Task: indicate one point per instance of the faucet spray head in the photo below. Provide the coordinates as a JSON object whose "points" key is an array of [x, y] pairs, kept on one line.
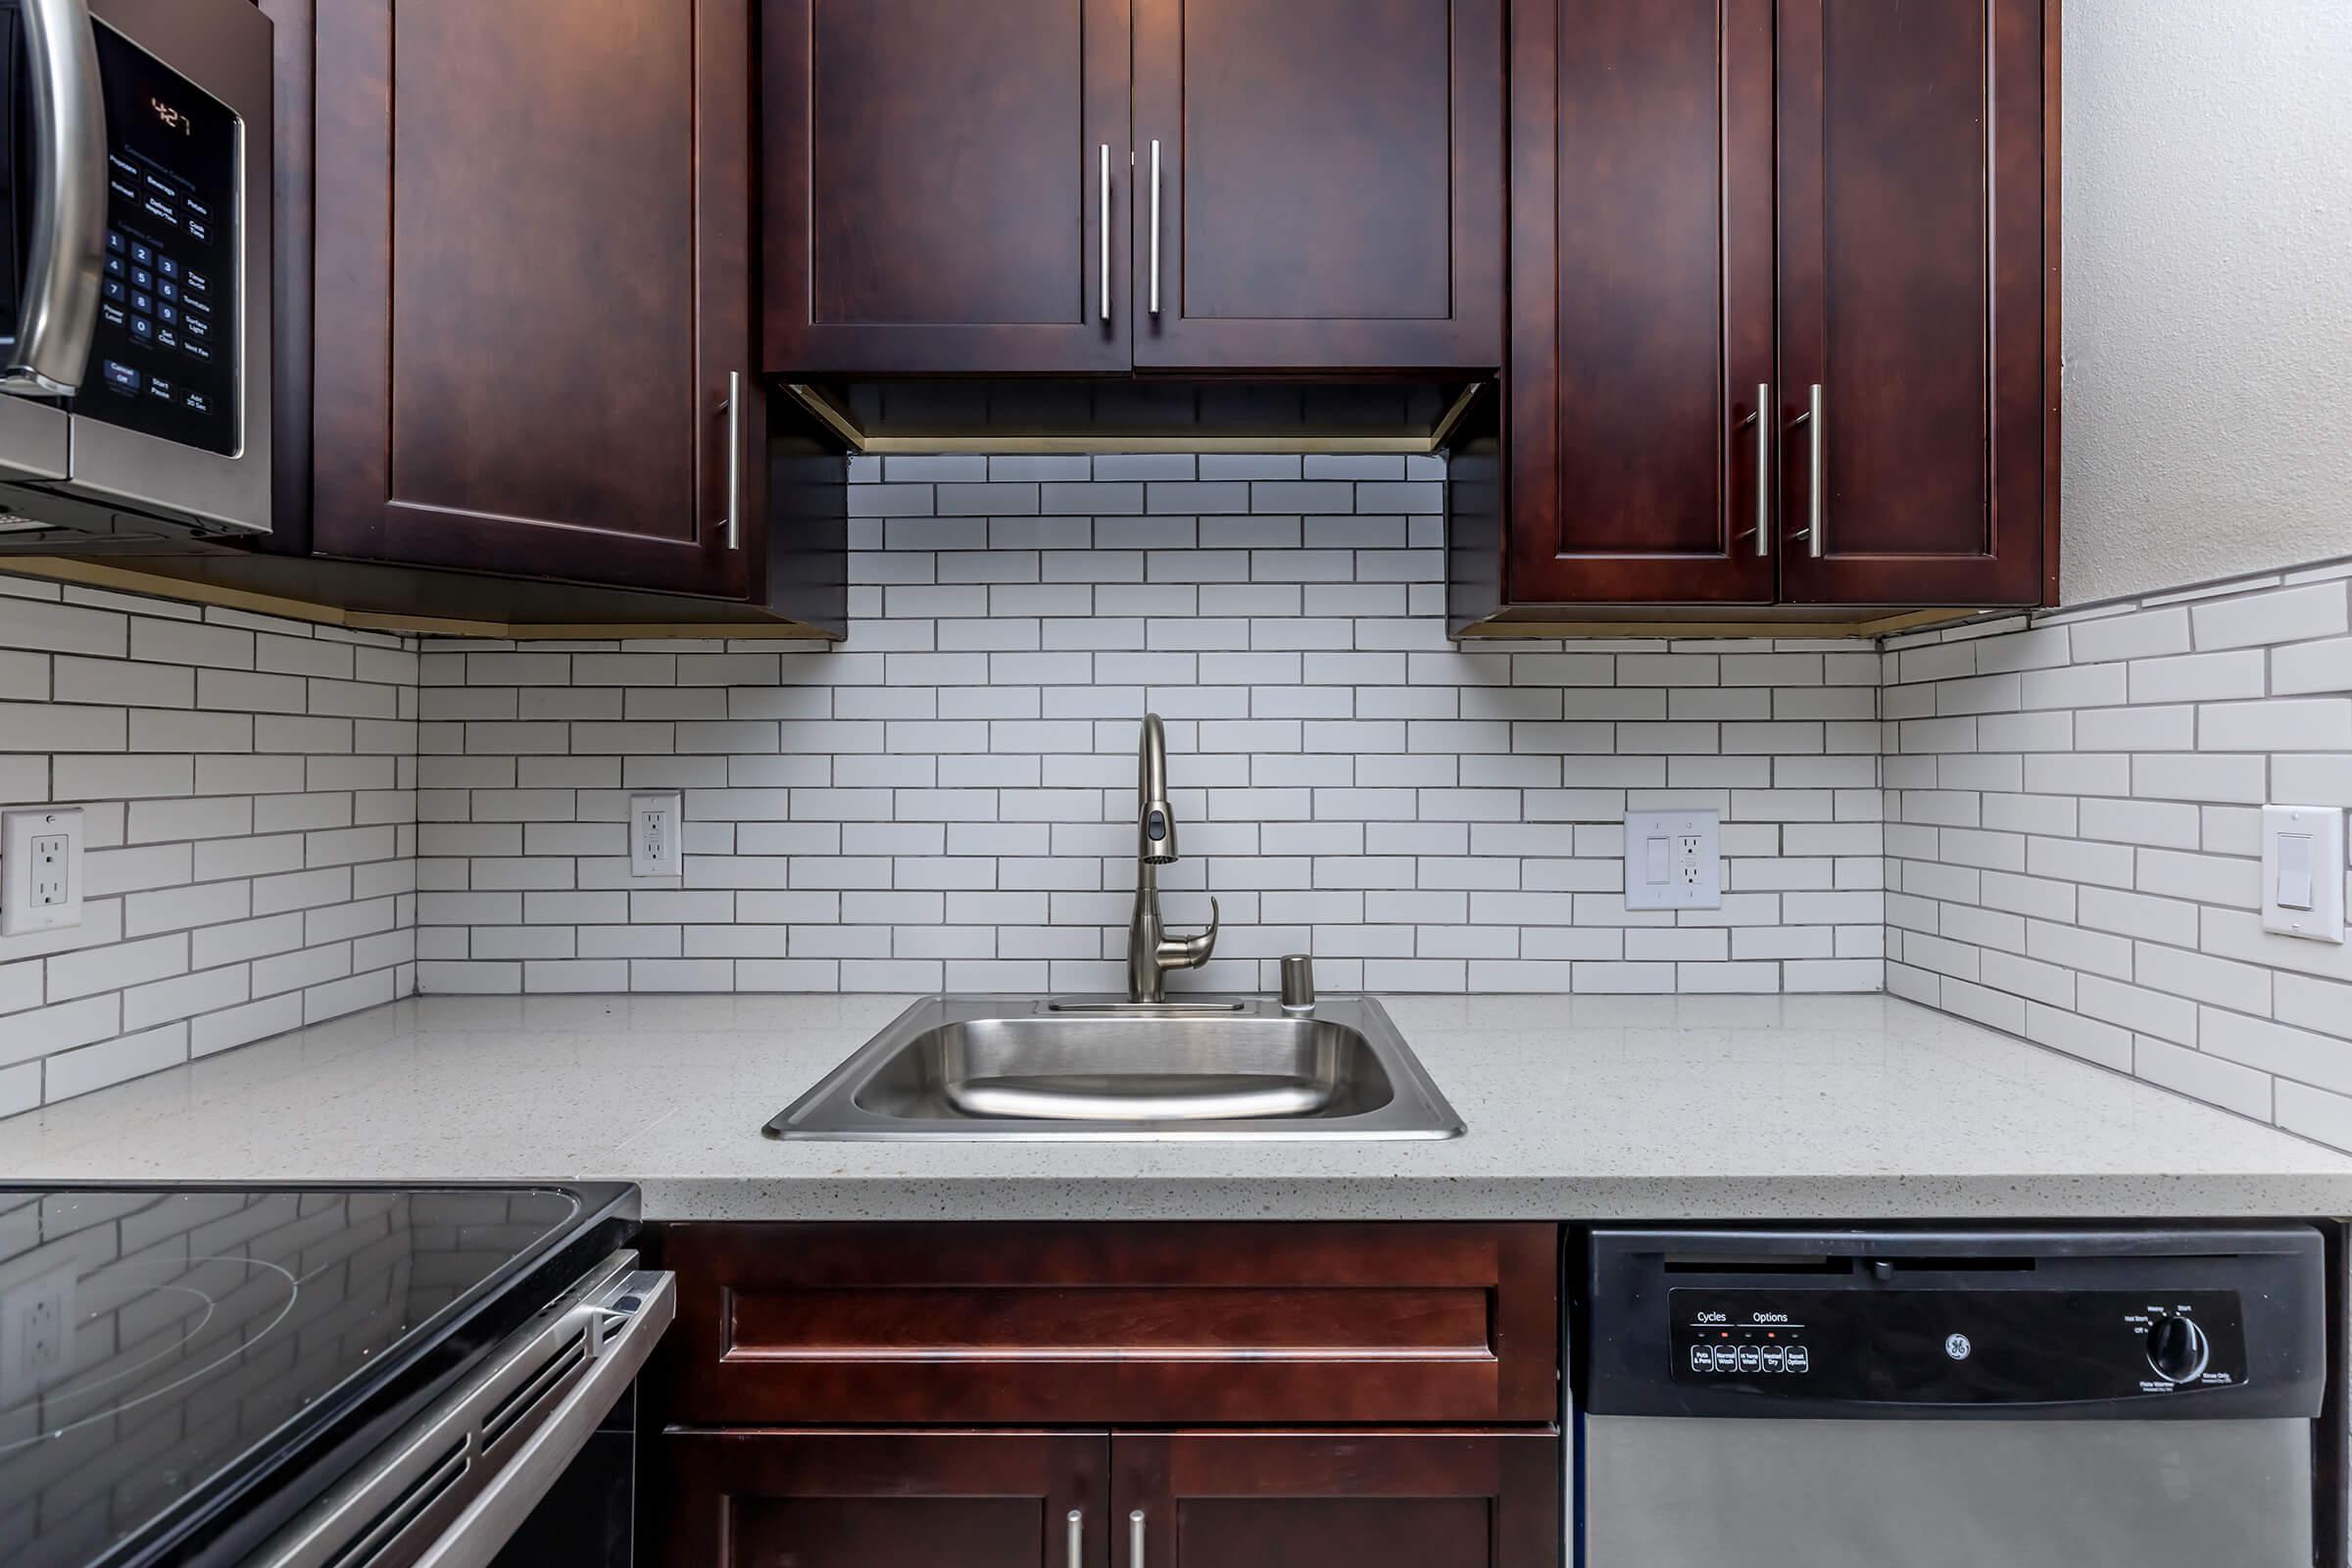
{"points": [[1156, 828]]}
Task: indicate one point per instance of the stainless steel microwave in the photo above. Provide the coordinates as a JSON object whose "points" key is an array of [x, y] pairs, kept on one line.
{"points": [[134, 271]]}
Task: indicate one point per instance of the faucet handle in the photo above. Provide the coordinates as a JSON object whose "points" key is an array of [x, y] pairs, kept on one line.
{"points": [[1191, 952]]}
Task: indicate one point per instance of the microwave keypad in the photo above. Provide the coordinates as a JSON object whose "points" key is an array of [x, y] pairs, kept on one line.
{"points": [[157, 301], [163, 359]]}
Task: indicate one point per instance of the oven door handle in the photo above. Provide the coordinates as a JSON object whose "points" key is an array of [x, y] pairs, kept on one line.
{"points": [[454, 1485], [617, 1350], [50, 352]]}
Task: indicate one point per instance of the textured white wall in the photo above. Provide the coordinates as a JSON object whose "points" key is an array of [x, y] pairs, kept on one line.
{"points": [[2208, 336]]}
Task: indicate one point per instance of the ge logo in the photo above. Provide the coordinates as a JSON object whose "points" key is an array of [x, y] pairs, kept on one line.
{"points": [[1958, 1347]]}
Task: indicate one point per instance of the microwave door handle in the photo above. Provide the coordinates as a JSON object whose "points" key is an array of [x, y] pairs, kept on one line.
{"points": [[51, 350]]}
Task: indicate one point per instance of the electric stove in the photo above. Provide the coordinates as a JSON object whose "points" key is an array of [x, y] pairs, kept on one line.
{"points": [[183, 1370]]}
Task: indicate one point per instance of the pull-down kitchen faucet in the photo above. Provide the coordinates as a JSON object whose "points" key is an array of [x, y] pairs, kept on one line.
{"points": [[1150, 950]]}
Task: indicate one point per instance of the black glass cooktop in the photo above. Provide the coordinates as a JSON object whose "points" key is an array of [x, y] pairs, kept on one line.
{"points": [[182, 1369]]}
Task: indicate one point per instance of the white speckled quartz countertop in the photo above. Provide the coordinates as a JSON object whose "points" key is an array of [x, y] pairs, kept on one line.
{"points": [[1586, 1108]]}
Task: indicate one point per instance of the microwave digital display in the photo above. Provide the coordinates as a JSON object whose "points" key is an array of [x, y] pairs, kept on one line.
{"points": [[165, 359]]}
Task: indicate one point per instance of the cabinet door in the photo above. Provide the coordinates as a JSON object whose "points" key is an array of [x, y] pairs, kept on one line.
{"points": [[1641, 318], [1912, 276], [532, 287], [871, 1500], [1369, 1499], [1328, 192], [937, 174]]}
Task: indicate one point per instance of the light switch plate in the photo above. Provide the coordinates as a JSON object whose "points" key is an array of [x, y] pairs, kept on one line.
{"points": [[40, 870], [1673, 861], [2303, 872], [655, 825]]}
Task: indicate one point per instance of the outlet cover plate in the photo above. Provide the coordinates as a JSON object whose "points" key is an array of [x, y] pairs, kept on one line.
{"points": [[40, 871], [1673, 861], [656, 824], [37, 1335]]}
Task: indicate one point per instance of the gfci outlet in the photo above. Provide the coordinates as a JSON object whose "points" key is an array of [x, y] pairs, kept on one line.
{"points": [[1673, 861], [40, 871], [656, 823]]}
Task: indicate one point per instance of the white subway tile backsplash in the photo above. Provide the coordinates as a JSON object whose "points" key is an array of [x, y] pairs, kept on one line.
{"points": [[2266, 619], [2048, 828], [2142, 634], [2205, 1077], [2197, 713], [1345, 777], [186, 736], [2321, 666]]}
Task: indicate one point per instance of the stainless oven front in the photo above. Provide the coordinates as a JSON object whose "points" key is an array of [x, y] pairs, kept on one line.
{"points": [[135, 141]]}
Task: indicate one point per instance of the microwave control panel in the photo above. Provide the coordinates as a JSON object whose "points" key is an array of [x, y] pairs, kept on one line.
{"points": [[165, 359], [1959, 1346]]}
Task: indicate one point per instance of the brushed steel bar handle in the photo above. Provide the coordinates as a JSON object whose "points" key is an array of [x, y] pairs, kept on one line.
{"points": [[1155, 245], [1105, 240], [1135, 1538], [1817, 526], [51, 350], [1077, 1523], [1762, 420], [734, 460]]}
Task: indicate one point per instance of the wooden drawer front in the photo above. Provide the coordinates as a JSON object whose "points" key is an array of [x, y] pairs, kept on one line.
{"points": [[918, 1324]]}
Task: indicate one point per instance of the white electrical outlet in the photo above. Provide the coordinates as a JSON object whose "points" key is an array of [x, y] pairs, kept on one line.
{"points": [[2303, 872], [655, 824], [1673, 861], [40, 871], [36, 1335]]}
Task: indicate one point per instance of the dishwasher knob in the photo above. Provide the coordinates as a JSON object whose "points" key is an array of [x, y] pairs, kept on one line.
{"points": [[2178, 1349]]}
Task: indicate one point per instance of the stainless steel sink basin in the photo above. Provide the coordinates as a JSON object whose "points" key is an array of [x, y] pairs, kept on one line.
{"points": [[1035, 1067]]}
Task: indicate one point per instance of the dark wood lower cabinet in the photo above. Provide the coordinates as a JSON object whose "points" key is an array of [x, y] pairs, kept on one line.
{"points": [[869, 1500], [1365, 1499], [1245, 1396], [1190, 1499]]}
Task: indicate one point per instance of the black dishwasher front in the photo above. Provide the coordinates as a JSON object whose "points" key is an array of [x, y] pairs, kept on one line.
{"points": [[2095, 1399]]}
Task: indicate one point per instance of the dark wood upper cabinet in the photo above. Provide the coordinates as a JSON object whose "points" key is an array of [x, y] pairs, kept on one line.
{"points": [[1328, 185], [1723, 203], [1641, 301], [1912, 277], [532, 293], [934, 185], [875, 1499], [953, 189], [1369, 1499]]}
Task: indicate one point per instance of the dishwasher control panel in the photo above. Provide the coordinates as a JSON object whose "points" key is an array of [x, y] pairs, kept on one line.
{"points": [[2122, 1323], [1958, 1347]]}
